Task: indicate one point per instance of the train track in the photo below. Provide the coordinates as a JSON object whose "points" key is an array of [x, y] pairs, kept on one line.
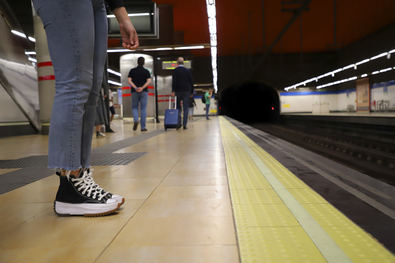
{"points": [[367, 148]]}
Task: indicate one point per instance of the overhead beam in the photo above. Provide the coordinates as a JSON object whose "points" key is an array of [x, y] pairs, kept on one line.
{"points": [[295, 15]]}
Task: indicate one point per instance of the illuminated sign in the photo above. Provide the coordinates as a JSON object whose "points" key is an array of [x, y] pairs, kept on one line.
{"points": [[167, 65]]}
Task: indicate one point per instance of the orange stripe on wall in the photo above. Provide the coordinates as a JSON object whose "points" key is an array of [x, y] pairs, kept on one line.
{"points": [[49, 77], [44, 64], [164, 100]]}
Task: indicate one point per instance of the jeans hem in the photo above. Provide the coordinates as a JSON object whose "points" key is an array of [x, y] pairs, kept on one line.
{"points": [[68, 168]]}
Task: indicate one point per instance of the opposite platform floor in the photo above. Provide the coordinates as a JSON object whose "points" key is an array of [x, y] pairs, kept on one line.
{"points": [[205, 194]]}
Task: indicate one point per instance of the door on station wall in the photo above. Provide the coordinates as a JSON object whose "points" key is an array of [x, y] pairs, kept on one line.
{"points": [[363, 95]]}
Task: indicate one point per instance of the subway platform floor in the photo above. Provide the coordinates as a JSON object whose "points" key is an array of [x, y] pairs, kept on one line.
{"points": [[219, 191]]}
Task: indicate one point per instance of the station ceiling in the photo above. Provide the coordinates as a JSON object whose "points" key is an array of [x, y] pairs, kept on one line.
{"points": [[250, 26]]}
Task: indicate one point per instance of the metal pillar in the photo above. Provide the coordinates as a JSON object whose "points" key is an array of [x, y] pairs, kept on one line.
{"points": [[45, 71]]}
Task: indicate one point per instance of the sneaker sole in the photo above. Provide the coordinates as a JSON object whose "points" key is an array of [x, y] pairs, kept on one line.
{"points": [[121, 203], [88, 210]]}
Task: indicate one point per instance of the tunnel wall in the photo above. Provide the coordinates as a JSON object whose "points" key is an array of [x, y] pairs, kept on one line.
{"points": [[250, 102]]}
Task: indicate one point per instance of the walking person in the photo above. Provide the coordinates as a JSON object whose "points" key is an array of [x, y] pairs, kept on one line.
{"points": [[101, 115], [111, 105], [182, 87], [77, 40], [139, 79], [192, 105], [207, 97]]}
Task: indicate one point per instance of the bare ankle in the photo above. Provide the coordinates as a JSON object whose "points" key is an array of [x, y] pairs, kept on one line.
{"points": [[75, 173]]}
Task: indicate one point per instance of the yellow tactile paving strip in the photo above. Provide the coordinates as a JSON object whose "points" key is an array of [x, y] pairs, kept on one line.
{"points": [[267, 230]]}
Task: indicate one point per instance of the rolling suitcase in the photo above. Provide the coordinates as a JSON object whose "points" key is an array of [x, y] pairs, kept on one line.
{"points": [[171, 116]]}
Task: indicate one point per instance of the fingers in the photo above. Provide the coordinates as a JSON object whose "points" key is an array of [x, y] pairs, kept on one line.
{"points": [[134, 40], [131, 44]]}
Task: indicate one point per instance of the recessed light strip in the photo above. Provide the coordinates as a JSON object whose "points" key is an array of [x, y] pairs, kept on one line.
{"points": [[120, 50], [114, 72], [133, 15], [212, 24], [32, 59], [23, 35], [354, 78], [114, 83], [332, 73]]}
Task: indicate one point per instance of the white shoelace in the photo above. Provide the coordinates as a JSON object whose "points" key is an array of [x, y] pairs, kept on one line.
{"points": [[87, 186], [90, 178]]}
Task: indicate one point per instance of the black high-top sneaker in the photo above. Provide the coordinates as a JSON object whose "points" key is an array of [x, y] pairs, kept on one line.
{"points": [[119, 198], [79, 196], [135, 125]]}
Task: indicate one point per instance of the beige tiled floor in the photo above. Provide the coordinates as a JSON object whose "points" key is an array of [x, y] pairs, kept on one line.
{"points": [[177, 205]]}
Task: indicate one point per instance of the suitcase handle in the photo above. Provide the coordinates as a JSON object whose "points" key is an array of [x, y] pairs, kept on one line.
{"points": [[175, 103]]}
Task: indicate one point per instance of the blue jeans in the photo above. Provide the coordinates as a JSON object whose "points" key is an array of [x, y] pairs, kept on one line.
{"points": [[77, 40], [184, 97], [207, 110], [139, 98]]}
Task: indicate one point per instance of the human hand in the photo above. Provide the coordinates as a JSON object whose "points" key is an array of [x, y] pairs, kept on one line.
{"points": [[129, 36]]}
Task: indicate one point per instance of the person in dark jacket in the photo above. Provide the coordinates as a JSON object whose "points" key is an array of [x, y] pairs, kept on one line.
{"points": [[77, 41], [182, 87]]}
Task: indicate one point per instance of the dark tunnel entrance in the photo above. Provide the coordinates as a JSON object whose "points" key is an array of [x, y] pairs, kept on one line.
{"points": [[250, 103]]}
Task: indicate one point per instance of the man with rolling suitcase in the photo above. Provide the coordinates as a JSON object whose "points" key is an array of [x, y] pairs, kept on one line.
{"points": [[171, 116], [182, 87]]}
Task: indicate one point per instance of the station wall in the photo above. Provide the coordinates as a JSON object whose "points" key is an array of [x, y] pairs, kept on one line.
{"points": [[321, 102]]}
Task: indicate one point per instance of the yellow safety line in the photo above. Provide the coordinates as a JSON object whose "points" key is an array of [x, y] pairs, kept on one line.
{"points": [[261, 188]]}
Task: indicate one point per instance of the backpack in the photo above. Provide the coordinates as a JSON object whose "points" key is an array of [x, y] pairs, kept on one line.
{"points": [[204, 98]]}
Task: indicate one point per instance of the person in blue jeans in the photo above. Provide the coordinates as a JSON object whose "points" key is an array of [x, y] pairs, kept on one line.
{"points": [[139, 79], [77, 40], [207, 97]]}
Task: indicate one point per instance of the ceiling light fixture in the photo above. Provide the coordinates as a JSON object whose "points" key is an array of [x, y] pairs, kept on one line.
{"points": [[189, 47], [353, 78], [114, 72], [379, 56], [385, 70], [32, 59], [114, 83], [336, 82], [19, 34], [23, 35], [158, 49], [212, 24], [132, 15], [119, 50], [332, 73]]}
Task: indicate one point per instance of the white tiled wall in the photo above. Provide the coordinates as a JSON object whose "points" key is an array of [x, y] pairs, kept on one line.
{"points": [[342, 101]]}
